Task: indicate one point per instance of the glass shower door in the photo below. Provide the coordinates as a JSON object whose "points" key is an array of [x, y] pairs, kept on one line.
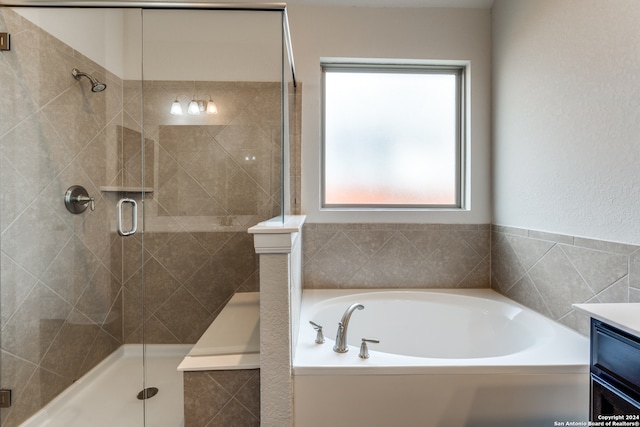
{"points": [[80, 302], [63, 136], [212, 162], [213, 157]]}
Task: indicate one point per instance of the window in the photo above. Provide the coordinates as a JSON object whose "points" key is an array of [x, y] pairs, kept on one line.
{"points": [[392, 136]]}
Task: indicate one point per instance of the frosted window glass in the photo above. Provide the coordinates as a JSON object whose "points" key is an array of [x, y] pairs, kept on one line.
{"points": [[391, 138]]}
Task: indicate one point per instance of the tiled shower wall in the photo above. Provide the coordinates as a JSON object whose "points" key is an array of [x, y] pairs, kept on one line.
{"points": [[61, 299], [549, 272], [71, 288], [212, 177]]}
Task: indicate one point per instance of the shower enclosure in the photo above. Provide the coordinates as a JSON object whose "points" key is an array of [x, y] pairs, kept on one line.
{"points": [[138, 142]]}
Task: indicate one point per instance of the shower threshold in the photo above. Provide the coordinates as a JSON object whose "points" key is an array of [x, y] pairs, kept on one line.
{"points": [[107, 395]]}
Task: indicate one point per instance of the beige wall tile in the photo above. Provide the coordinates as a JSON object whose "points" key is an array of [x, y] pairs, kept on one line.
{"points": [[222, 398], [559, 270], [506, 267], [395, 255], [599, 269], [31, 330], [17, 284], [203, 398]]}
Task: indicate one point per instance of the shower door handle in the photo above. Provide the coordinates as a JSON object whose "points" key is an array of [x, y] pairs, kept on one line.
{"points": [[134, 217]]}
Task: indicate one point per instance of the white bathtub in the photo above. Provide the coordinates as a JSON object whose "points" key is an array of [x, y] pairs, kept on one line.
{"points": [[445, 358]]}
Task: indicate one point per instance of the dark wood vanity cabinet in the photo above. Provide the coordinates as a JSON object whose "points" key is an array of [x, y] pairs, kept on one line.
{"points": [[615, 374]]}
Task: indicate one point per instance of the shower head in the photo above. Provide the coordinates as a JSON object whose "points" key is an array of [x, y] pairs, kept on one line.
{"points": [[96, 86]]}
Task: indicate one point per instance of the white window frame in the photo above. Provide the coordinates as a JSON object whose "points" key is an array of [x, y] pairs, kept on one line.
{"points": [[374, 66]]}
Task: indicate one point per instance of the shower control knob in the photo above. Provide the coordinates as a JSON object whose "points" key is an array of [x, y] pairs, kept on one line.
{"points": [[76, 199]]}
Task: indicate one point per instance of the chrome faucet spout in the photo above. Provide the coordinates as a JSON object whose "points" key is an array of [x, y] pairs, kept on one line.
{"points": [[341, 336]]}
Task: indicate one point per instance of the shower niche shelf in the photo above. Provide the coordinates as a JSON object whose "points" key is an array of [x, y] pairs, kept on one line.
{"points": [[124, 189]]}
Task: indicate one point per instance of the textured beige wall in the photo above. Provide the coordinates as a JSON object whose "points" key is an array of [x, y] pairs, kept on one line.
{"points": [[566, 123], [429, 34]]}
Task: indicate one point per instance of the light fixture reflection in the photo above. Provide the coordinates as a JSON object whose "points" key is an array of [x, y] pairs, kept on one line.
{"points": [[212, 108], [176, 108], [193, 107]]}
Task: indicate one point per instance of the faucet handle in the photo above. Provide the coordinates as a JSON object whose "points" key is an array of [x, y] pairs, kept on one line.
{"points": [[319, 335], [364, 351]]}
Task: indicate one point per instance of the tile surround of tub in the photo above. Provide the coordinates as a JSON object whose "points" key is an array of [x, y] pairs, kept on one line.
{"points": [[396, 255], [549, 272]]}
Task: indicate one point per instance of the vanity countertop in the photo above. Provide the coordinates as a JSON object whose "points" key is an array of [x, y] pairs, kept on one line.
{"points": [[624, 316]]}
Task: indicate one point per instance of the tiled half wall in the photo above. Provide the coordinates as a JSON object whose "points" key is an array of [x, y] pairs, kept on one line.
{"points": [[396, 255], [549, 272], [546, 272], [222, 398]]}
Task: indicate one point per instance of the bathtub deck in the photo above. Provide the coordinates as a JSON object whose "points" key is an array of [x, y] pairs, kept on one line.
{"points": [[545, 380], [106, 396], [560, 351]]}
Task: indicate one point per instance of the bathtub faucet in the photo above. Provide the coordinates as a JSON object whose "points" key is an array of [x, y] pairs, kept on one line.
{"points": [[341, 335]]}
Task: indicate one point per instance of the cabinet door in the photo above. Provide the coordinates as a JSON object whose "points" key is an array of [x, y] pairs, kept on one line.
{"points": [[606, 400]]}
